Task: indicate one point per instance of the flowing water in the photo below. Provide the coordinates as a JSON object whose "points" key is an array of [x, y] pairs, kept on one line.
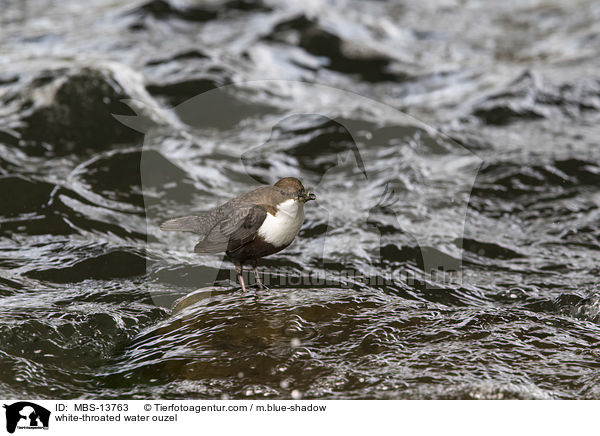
{"points": [[446, 136]]}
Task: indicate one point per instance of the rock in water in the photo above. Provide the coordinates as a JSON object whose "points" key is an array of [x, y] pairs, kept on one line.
{"points": [[79, 114]]}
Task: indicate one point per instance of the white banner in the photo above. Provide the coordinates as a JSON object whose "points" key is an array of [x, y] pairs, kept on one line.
{"points": [[271, 417]]}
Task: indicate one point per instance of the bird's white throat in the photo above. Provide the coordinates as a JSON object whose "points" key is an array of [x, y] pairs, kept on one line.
{"points": [[281, 228]]}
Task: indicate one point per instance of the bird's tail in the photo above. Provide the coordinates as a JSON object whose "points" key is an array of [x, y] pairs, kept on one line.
{"points": [[195, 224]]}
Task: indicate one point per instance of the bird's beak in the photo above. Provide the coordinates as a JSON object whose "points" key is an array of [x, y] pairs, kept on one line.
{"points": [[309, 196]]}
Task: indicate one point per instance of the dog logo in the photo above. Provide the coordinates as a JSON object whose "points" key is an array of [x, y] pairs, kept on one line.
{"points": [[26, 415]]}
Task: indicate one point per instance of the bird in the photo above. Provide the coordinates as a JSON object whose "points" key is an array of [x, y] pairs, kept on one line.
{"points": [[251, 226]]}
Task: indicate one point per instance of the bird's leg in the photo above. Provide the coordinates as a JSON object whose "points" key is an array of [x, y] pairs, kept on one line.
{"points": [[258, 282], [239, 268]]}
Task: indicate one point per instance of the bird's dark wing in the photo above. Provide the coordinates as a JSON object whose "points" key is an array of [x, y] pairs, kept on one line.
{"points": [[236, 227]]}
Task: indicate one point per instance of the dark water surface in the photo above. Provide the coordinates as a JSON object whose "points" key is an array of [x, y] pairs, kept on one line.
{"points": [[499, 180]]}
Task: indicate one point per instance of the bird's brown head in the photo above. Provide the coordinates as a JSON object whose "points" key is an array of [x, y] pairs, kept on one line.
{"points": [[291, 187]]}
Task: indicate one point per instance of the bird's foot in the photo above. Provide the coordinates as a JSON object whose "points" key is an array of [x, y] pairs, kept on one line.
{"points": [[261, 287], [259, 283], [240, 277]]}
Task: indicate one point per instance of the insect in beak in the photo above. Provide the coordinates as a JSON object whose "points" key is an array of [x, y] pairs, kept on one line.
{"points": [[308, 196]]}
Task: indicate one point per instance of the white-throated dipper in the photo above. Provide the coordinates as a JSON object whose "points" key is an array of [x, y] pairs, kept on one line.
{"points": [[253, 225]]}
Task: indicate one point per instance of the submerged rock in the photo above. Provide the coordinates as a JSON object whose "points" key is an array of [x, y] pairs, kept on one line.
{"points": [[343, 55], [122, 176], [73, 111], [180, 91], [527, 98], [113, 264], [184, 55], [512, 180], [317, 142], [162, 9]]}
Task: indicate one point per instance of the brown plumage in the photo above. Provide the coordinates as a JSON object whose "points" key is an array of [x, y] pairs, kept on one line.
{"points": [[249, 226]]}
